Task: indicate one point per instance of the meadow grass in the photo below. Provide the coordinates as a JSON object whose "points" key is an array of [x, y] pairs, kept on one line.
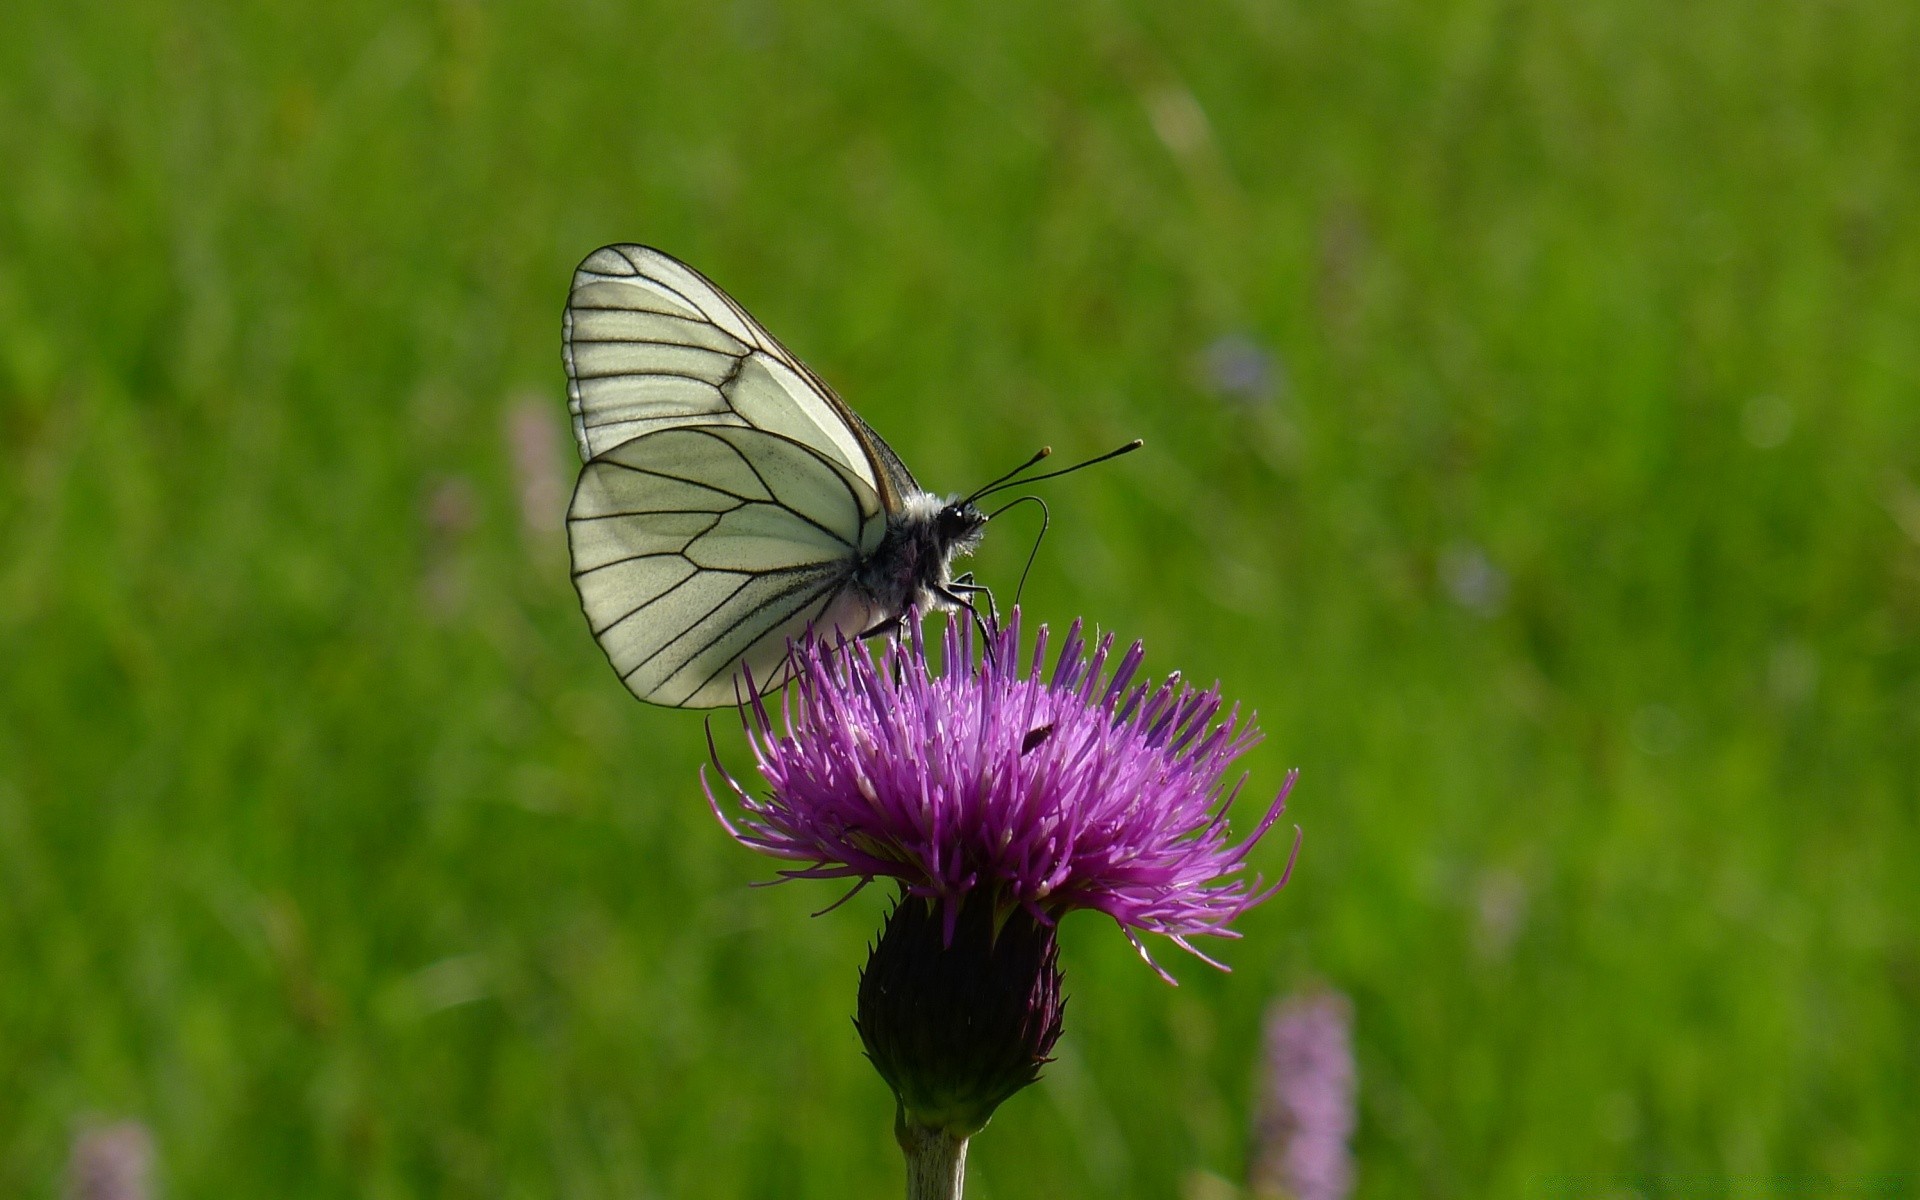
{"points": [[1570, 546]]}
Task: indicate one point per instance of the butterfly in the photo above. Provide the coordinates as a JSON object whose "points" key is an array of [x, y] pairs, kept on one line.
{"points": [[730, 502]]}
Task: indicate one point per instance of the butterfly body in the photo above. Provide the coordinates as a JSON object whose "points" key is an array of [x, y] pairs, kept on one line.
{"points": [[912, 566], [730, 502]]}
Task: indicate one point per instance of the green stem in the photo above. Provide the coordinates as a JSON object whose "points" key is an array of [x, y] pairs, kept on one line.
{"points": [[936, 1160]]}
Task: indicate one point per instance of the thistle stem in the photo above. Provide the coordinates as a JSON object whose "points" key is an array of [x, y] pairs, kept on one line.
{"points": [[936, 1160]]}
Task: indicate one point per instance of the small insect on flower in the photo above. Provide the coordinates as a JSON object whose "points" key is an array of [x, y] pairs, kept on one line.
{"points": [[990, 778]]}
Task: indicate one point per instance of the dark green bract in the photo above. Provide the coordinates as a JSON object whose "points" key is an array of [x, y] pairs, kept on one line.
{"points": [[956, 1021]]}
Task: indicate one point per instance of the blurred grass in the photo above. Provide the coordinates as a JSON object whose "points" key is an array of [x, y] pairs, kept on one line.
{"points": [[1573, 553]]}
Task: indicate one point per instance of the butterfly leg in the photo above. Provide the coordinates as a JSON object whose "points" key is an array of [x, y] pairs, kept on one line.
{"points": [[885, 626], [962, 597], [964, 585], [890, 626]]}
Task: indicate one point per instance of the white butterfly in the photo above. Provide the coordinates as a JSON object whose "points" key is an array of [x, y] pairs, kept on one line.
{"points": [[730, 501]]}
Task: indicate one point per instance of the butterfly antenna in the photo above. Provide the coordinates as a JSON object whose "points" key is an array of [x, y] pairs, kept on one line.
{"points": [[985, 488], [1009, 481], [1046, 519]]}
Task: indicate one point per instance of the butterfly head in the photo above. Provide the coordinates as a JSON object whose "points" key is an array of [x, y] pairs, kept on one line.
{"points": [[958, 525]]}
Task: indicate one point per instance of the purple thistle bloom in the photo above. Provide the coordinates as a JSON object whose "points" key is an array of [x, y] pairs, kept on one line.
{"points": [[1079, 790], [1306, 1108]]}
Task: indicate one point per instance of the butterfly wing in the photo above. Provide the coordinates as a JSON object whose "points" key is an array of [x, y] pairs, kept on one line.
{"points": [[652, 344], [701, 549]]}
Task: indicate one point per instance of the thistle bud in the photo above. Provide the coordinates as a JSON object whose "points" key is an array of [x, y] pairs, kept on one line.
{"points": [[959, 1014]]}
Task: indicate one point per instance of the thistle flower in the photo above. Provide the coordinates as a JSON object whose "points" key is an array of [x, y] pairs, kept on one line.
{"points": [[1306, 1108], [1000, 798], [1044, 793]]}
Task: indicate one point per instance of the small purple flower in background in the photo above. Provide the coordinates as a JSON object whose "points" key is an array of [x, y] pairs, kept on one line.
{"points": [[111, 1162], [1306, 1104], [451, 513], [1500, 909], [1239, 368], [1048, 794], [1474, 581], [533, 445], [1000, 797]]}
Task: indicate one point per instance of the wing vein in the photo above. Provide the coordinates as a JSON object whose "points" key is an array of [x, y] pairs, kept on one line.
{"points": [[758, 610], [710, 487], [644, 604], [634, 558], [826, 594], [588, 377], [640, 341], [659, 512], [691, 626]]}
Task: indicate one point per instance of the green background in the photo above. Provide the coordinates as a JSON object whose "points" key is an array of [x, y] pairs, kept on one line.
{"points": [[1571, 549]]}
